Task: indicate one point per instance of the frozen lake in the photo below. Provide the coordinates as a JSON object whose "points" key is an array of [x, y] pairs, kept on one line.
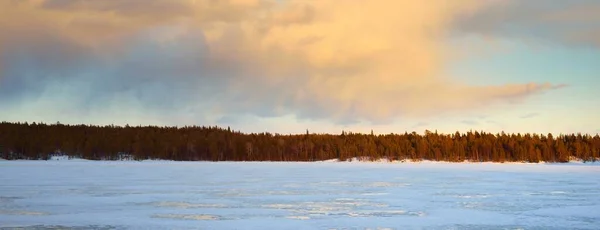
{"points": [[320, 195]]}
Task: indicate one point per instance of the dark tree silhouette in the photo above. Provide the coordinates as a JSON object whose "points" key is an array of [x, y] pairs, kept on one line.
{"points": [[40, 141]]}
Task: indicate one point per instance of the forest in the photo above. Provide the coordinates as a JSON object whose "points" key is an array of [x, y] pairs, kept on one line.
{"points": [[41, 141]]}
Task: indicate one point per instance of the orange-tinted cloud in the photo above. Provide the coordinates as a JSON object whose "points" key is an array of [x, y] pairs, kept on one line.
{"points": [[373, 60]]}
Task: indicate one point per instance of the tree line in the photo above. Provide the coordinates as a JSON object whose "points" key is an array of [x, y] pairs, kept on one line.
{"points": [[41, 141]]}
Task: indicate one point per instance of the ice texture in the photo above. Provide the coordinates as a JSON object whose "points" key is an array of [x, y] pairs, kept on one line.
{"points": [[318, 195]]}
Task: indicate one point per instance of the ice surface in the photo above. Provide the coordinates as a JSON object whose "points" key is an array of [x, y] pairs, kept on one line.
{"points": [[320, 195]]}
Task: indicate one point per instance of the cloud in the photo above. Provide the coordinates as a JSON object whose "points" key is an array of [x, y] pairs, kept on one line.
{"points": [[565, 22], [191, 61], [530, 115], [470, 122], [420, 124]]}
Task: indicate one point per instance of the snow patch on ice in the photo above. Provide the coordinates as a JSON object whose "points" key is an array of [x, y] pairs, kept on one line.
{"points": [[22, 213], [187, 205], [298, 217], [338, 207], [186, 216], [384, 213], [374, 194], [381, 184], [471, 196]]}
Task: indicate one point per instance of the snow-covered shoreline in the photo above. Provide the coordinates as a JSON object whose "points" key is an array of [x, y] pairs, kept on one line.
{"points": [[348, 161]]}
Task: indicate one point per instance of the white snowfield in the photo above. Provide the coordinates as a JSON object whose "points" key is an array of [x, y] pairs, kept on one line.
{"points": [[81, 194]]}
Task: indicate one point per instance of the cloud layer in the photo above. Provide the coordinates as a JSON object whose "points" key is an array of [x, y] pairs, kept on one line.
{"points": [[190, 61], [553, 21]]}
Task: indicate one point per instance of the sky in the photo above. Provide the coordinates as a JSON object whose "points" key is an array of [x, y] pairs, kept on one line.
{"points": [[285, 66]]}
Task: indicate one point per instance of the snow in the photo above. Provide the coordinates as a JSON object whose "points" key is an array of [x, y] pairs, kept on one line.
{"points": [[318, 195]]}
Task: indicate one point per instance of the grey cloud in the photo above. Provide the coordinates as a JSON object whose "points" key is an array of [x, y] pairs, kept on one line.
{"points": [[31, 63], [162, 78], [482, 116], [470, 122], [230, 120], [530, 115], [560, 86], [420, 124], [566, 22], [175, 81]]}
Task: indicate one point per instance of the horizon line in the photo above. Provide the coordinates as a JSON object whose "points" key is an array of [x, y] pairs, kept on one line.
{"points": [[306, 131]]}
